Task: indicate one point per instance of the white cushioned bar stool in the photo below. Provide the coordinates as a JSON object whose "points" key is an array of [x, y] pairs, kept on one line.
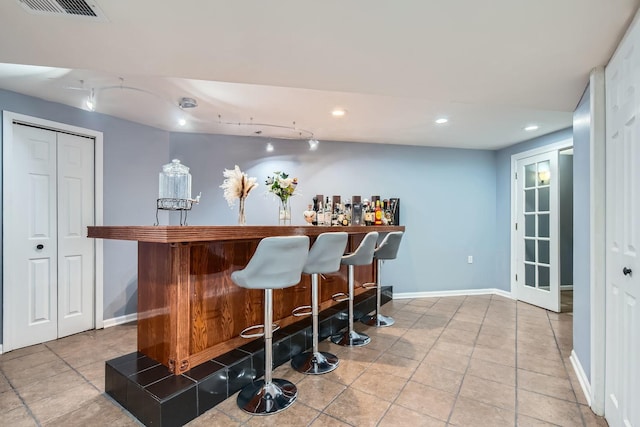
{"points": [[387, 249], [277, 263], [324, 257], [363, 255]]}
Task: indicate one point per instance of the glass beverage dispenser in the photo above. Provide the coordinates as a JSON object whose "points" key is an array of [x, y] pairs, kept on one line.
{"points": [[174, 190], [175, 181]]}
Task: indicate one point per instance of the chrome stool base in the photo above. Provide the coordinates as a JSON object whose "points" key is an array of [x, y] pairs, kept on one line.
{"points": [[351, 339], [264, 399], [314, 363], [379, 321]]}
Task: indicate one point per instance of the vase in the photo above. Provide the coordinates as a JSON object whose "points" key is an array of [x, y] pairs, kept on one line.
{"points": [[241, 217], [284, 213]]}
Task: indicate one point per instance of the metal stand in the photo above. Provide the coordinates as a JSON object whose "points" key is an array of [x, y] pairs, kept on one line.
{"points": [[378, 320], [314, 362], [350, 337], [182, 205], [267, 396]]}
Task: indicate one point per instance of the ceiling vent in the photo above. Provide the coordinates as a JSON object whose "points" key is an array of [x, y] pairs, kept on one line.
{"points": [[74, 8]]}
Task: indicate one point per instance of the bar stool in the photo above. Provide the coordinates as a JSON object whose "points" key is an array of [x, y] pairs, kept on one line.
{"points": [[387, 249], [277, 263], [324, 257], [363, 255]]}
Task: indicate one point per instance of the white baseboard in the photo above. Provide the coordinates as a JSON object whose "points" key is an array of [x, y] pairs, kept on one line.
{"points": [[464, 292], [0, 348], [582, 376], [115, 321]]}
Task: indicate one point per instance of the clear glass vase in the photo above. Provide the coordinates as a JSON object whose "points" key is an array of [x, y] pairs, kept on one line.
{"points": [[284, 212], [241, 218]]}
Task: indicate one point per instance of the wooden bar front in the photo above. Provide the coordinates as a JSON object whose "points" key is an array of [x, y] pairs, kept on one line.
{"points": [[189, 310]]}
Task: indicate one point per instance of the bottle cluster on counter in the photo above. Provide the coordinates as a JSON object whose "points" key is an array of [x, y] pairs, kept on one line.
{"points": [[355, 211]]}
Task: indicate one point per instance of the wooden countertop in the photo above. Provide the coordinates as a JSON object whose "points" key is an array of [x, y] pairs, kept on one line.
{"points": [[189, 233]]}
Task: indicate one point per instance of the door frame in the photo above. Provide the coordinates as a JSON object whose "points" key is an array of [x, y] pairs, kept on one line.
{"points": [[557, 146], [8, 119], [595, 387]]}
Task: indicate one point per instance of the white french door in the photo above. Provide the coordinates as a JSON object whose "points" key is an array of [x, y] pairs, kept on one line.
{"points": [[622, 358], [49, 263], [537, 234]]}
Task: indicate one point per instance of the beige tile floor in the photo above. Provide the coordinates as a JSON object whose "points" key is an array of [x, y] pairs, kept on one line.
{"points": [[454, 361]]}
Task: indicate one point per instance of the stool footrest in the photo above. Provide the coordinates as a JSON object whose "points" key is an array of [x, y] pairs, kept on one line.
{"points": [[303, 310], [369, 285], [244, 333], [339, 297]]}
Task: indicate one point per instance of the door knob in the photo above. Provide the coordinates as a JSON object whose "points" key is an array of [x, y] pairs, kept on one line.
{"points": [[626, 271], [40, 246]]}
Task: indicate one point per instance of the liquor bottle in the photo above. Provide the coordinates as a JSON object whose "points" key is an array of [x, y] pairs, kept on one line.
{"points": [[356, 213], [347, 213], [368, 212], [378, 213], [328, 210], [320, 214], [315, 210], [386, 211], [338, 209], [309, 214]]}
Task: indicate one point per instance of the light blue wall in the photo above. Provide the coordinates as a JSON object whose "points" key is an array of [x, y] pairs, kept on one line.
{"points": [[503, 201], [447, 197], [454, 202], [582, 234], [132, 155]]}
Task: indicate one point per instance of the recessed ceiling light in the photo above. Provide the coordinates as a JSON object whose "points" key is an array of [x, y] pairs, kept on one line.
{"points": [[269, 147], [338, 112], [182, 122], [531, 128], [442, 120]]}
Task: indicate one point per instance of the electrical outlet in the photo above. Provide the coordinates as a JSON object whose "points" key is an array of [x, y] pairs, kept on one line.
{"points": [[470, 259]]}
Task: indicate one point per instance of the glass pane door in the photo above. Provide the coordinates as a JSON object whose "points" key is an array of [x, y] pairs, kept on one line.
{"points": [[537, 232], [536, 218]]}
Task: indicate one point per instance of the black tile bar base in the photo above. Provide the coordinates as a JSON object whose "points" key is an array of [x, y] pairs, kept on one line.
{"points": [[157, 398]]}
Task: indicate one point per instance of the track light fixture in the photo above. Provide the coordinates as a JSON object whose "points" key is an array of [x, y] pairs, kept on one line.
{"points": [[187, 103], [301, 134]]}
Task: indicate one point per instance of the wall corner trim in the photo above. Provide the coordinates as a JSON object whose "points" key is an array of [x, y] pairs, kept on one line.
{"points": [[582, 376]]}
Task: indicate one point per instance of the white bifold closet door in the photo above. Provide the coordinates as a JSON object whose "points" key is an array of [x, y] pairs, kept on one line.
{"points": [[49, 262]]}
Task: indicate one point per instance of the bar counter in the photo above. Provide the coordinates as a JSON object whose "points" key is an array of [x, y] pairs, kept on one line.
{"points": [[189, 310]]}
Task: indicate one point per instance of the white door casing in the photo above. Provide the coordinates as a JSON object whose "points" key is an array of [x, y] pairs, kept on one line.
{"points": [[74, 255], [537, 230], [622, 366]]}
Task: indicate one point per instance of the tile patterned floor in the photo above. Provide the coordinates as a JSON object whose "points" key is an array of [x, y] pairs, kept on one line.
{"points": [[454, 361]]}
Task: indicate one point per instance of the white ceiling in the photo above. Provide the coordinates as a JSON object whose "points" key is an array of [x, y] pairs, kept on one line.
{"points": [[492, 67]]}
